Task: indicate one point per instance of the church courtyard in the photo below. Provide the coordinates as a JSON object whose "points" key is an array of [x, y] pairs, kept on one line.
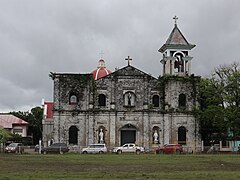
{"points": [[112, 166]]}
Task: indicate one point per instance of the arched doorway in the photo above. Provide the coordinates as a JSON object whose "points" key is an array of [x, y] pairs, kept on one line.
{"points": [[73, 135], [128, 134]]}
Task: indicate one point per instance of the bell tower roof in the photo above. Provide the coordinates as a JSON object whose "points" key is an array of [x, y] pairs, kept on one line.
{"points": [[176, 40], [176, 53], [176, 37]]}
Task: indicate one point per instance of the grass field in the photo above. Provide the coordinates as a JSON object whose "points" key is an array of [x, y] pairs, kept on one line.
{"points": [[125, 166]]}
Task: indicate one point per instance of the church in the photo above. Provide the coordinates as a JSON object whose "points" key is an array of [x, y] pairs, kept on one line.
{"points": [[128, 105]]}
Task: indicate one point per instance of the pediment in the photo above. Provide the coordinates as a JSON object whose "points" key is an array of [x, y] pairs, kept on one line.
{"points": [[130, 71]]}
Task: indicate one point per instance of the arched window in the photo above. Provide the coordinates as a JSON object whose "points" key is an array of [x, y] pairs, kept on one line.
{"points": [[155, 101], [182, 135], [73, 99], [73, 135], [182, 101], [101, 100]]}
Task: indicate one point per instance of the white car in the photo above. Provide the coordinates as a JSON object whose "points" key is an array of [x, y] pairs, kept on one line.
{"points": [[95, 149], [129, 148]]}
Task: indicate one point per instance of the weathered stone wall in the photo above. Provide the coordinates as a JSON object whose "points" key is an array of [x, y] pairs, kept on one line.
{"points": [[174, 88], [89, 117], [116, 85], [79, 84]]}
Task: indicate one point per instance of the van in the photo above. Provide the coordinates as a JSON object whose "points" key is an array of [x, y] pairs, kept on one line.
{"points": [[95, 149]]}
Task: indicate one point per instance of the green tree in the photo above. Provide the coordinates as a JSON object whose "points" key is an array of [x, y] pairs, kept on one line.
{"points": [[4, 136], [34, 118], [220, 100]]}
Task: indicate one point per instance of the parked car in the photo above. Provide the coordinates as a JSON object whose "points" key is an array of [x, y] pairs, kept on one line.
{"points": [[170, 148], [15, 148], [95, 148], [129, 147], [36, 148], [215, 148], [56, 148]]}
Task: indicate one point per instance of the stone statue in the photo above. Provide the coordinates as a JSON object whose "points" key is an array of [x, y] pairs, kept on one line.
{"points": [[129, 99], [101, 136], [155, 136]]}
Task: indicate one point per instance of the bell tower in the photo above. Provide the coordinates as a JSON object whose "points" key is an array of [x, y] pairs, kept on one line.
{"points": [[176, 53]]}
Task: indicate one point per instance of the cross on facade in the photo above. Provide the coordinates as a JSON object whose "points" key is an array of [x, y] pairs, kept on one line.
{"points": [[128, 59], [175, 19]]}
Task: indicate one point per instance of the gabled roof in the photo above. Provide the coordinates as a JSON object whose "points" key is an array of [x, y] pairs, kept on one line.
{"points": [[129, 71], [7, 120], [176, 40]]}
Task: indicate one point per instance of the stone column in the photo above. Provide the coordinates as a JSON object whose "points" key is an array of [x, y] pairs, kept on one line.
{"points": [[146, 131], [56, 128], [112, 129], [189, 68], [166, 130], [90, 130]]}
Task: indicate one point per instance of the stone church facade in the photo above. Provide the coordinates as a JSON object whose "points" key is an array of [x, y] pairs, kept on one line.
{"points": [[129, 105]]}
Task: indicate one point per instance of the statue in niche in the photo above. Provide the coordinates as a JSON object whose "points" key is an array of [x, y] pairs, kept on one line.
{"points": [[129, 99], [155, 137], [101, 136]]}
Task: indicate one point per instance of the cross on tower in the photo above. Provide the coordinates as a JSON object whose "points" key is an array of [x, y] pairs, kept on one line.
{"points": [[128, 59], [101, 54], [175, 19]]}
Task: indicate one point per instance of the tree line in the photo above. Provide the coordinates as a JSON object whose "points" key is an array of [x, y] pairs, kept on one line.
{"points": [[219, 111]]}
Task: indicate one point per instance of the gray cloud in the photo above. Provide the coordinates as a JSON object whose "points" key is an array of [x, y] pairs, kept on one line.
{"points": [[37, 37]]}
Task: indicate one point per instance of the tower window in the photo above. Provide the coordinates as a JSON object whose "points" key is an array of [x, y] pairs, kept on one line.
{"points": [[182, 101], [155, 101], [101, 100]]}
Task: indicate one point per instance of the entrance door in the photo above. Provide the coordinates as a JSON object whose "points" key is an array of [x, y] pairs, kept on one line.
{"points": [[128, 136]]}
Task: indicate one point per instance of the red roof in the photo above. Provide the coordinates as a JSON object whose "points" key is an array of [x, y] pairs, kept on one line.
{"points": [[101, 70], [7, 120], [49, 106]]}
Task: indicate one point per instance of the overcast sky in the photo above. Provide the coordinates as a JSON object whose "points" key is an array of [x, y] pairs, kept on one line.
{"points": [[42, 36]]}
